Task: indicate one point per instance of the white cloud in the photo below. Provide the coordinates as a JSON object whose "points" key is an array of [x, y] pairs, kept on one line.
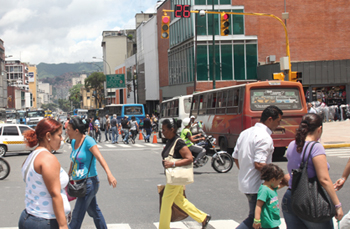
{"points": [[63, 30]]}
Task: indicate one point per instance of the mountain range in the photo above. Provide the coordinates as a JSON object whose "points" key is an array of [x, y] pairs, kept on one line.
{"points": [[45, 70]]}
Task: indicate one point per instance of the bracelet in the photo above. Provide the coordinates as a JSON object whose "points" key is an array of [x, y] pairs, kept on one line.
{"points": [[256, 221], [342, 179], [174, 165], [338, 206]]}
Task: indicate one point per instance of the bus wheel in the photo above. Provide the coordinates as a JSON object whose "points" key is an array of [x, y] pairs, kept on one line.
{"points": [[223, 144], [279, 152]]}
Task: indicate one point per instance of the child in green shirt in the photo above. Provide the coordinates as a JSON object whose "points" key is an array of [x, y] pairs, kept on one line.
{"points": [[267, 212]]}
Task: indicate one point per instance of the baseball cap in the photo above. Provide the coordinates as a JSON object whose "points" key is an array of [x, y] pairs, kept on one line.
{"points": [[193, 116]]}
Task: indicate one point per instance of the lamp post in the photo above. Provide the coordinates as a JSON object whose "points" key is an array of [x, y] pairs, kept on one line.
{"points": [[94, 57]]}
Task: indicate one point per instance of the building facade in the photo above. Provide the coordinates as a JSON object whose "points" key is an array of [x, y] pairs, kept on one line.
{"points": [[79, 80], [33, 84], [235, 55], [3, 77]]}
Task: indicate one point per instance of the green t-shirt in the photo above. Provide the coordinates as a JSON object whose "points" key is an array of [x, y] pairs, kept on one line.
{"points": [[270, 212]]}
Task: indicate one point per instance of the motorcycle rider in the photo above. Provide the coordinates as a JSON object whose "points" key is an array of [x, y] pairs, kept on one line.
{"points": [[186, 135]]}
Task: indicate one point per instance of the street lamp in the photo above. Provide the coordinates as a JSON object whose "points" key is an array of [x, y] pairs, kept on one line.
{"points": [[94, 57]]}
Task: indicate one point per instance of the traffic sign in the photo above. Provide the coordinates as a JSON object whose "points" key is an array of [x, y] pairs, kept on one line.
{"points": [[115, 80]]}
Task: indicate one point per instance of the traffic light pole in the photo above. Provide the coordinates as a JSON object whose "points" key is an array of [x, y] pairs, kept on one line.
{"points": [[213, 30], [252, 14]]}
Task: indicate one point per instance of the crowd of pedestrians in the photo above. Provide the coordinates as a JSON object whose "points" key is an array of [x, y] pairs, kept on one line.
{"points": [[47, 204]]}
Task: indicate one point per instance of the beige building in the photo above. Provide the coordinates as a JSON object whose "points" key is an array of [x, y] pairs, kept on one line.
{"points": [[33, 84], [88, 101], [79, 80]]}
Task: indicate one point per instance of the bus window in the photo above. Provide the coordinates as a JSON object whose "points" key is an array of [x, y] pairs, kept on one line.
{"points": [[176, 107], [221, 103], [232, 102], [284, 98], [187, 105], [168, 109], [203, 104], [195, 104]]}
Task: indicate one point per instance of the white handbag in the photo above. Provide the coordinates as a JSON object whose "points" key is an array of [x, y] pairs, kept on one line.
{"points": [[180, 175]]}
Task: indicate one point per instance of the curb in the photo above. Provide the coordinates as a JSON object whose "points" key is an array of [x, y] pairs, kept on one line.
{"points": [[329, 146]]}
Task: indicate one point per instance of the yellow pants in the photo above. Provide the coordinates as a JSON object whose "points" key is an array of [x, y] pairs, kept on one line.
{"points": [[174, 194]]}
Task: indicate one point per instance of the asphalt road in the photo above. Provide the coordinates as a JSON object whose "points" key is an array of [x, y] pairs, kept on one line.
{"points": [[135, 201]]}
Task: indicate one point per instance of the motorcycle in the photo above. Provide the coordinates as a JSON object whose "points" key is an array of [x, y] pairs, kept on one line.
{"points": [[221, 161], [4, 169]]}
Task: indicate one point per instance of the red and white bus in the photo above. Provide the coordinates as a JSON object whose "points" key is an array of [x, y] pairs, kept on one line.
{"points": [[226, 112]]}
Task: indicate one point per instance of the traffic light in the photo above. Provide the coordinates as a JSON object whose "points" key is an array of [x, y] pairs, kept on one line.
{"points": [[278, 76], [295, 76], [225, 23], [165, 27]]}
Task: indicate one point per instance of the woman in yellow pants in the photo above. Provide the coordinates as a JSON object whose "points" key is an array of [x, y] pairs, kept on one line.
{"points": [[174, 193]]}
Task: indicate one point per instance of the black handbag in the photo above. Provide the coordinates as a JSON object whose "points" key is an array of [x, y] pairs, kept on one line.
{"points": [[78, 188], [310, 201]]}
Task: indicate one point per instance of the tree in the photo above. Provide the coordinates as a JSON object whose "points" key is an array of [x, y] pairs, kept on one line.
{"points": [[95, 83], [64, 105], [74, 95]]}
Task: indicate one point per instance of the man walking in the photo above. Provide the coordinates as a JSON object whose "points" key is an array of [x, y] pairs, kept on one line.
{"points": [[114, 127], [253, 150], [107, 129], [125, 129], [147, 126], [97, 129]]}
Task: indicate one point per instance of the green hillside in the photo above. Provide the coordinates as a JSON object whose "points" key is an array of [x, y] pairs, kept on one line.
{"points": [[52, 70]]}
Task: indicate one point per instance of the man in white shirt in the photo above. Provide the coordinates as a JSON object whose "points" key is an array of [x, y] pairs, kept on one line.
{"points": [[310, 109], [253, 150]]}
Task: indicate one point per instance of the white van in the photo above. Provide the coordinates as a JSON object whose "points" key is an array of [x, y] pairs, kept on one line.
{"points": [[178, 107]]}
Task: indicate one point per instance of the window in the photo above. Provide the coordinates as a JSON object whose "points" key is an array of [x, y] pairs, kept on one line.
{"points": [[168, 109], [252, 61], [239, 62], [202, 65], [87, 97], [232, 101], [202, 104], [23, 128], [10, 131], [0, 130], [176, 107], [211, 103], [195, 105]]}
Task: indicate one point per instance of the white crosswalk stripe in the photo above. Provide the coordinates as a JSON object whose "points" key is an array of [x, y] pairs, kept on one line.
{"points": [[216, 224], [338, 152]]}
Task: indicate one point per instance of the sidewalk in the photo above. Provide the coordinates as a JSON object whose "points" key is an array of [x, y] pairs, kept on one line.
{"points": [[336, 134]]}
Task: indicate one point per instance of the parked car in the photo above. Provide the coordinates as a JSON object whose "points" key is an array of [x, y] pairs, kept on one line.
{"points": [[12, 140]]}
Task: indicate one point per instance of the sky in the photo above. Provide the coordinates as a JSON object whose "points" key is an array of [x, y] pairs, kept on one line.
{"points": [[63, 31]]}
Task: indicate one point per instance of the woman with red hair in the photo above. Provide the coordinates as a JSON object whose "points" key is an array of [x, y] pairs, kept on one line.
{"points": [[46, 201]]}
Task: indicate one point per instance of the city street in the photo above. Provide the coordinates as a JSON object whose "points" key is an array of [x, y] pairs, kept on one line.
{"points": [[135, 202]]}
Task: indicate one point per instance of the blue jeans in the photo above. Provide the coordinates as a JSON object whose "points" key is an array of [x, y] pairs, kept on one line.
{"points": [[115, 134], [108, 132], [126, 137], [248, 222], [293, 221], [27, 221], [148, 134], [88, 204]]}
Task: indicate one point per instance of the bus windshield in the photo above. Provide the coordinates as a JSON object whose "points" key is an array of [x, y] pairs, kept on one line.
{"points": [[10, 115], [32, 114], [21, 114], [133, 110], [284, 98]]}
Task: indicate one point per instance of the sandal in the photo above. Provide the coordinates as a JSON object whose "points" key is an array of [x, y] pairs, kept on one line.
{"points": [[206, 221]]}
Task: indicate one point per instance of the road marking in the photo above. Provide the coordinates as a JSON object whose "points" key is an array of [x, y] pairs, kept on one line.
{"points": [[216, 224], [111, 146], [138, 145]]}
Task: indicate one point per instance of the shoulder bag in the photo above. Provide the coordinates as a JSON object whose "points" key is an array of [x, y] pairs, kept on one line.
{"points": [[180, 175], [78, 188], [310, 201], [177, 214]]}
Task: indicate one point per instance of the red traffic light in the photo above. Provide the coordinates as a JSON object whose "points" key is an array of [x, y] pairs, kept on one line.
{"points": [[226, 16], [165, 20]]}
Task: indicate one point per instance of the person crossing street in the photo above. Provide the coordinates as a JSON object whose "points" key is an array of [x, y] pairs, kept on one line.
{"points": [[97, 130], [114, 128], [107, 129], [253, 151]]}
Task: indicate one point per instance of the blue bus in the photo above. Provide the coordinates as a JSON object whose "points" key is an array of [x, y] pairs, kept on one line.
{"points": [[82, 113], [122, 110]]}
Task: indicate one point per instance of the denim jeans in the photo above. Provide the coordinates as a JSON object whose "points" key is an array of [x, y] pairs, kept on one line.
{"points": [[115, 134], [88, 204], [248, 222], [148, 134], [293, 221], [27, 221], [98, 135], [107, 132], [126, 137]]}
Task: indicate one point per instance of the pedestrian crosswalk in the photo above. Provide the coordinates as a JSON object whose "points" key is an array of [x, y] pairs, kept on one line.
{"points": [[122, 145], [213, 224], [338, 152]]}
